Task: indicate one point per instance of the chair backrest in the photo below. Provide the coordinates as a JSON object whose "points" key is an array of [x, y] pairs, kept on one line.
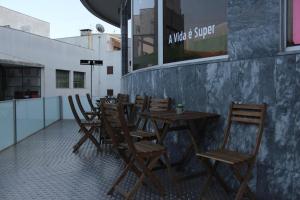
{"points": [[159, 104], [86, 117], [111, 121], [123, 98], [73, 109], [89, 98], [141, 103], [251, 114], [115, 123]]}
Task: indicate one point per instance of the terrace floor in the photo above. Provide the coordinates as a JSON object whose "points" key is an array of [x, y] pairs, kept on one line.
{"points": [[44, 167]]}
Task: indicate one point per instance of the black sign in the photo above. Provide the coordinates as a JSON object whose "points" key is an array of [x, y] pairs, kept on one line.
{"points": [[91, 62]]}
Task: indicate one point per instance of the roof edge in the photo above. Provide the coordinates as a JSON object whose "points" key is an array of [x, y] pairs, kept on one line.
{"points": [[89, 7]]}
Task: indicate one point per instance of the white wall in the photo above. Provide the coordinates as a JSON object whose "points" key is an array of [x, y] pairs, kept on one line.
{"points": [[103, 51], [53, 54], [23, 22]]}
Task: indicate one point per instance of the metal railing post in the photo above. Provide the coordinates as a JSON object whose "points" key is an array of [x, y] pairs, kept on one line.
{"points": [[15, 120], [60, 107], [44, 112]]}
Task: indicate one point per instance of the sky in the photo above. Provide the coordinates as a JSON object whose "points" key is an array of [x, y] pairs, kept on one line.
{"points": [[66, 17]]}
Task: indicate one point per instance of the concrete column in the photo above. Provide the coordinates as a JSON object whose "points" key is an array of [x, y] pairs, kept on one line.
{"points": [[125, 7]]}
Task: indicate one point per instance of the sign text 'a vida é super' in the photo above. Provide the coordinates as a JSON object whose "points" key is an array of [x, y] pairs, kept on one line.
{"points": [[195, 33]]}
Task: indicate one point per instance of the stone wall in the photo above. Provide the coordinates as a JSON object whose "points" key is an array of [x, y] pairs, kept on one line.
{"points": [[255, 72]]}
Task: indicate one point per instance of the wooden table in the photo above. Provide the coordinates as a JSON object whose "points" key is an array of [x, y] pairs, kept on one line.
{"points": [[188, 120]]}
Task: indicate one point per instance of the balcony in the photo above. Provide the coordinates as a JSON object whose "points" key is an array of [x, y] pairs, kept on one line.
{"points": [[36, 161]]}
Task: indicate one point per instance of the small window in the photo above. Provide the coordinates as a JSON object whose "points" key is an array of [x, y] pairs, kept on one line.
{"points": [[62, 79], [78, 81], [110, 92], [293, 23], [110, 70]]}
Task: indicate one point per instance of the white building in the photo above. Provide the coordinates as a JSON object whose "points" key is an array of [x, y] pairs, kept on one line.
{"points": [[32, 65], [107, 48], [19, 21]]}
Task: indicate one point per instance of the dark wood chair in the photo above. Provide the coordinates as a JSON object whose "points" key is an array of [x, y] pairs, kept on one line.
{"points": [[93, 108], [241, 164], [88, 115], [154, 105], [88, 128], [140, 105], [123, 98], [143, 155]]}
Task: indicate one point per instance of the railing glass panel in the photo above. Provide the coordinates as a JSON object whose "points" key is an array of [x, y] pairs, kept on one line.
{"points": [[6, 124], [52, 112], [29, 116]]}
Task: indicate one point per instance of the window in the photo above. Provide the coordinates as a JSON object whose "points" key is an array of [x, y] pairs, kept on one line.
{"points": [[62, 79], [194, 29], [177, 30], [78, 79], [110, 70], [110, 92], [145, 52], [20, 83], [293, 23]]}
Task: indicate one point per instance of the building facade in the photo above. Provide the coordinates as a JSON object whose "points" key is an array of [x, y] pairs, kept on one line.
{"points": [[35, 66], [20, 21], [244, 51], [106, 47]]}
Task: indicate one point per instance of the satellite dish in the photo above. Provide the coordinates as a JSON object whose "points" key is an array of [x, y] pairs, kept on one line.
{"points": [[100, 28]]}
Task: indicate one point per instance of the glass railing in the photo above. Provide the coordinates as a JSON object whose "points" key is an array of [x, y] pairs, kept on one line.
{"points": [[7, 127], [21, 118]]}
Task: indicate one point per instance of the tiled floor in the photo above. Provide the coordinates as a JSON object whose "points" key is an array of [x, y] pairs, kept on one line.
{"points": [[43, 167]]}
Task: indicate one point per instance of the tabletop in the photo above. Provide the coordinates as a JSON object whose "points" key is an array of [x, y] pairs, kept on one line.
{"points": [[173, 116]]}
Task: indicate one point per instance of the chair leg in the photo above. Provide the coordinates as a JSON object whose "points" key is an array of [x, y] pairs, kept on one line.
{"points": [[244, 183], [206, 185], [121, 177], [240, 178], [212, 173], [170, 172], [81, 141], [146, 170], [89, 134]]}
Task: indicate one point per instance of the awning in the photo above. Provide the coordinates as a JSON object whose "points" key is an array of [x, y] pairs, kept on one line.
{"points": [[116, 42], [108, 11]]}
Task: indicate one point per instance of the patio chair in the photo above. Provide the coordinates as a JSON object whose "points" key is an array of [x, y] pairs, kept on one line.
{"points": [[156, 105], [88, 115], [140, 105], [87, 127], [123, 97], [241, 164], [143, 155], [89, 98]]}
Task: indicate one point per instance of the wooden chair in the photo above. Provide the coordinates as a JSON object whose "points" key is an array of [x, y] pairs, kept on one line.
{"points": [[88, 115], [88, 128], [155, 105], [246, 114], [89, 98], [140, 105], [143, 155], [123, 98], [159, 105]]}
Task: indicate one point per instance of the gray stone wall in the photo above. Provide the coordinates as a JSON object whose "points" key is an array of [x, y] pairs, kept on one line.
{"points": [[255, 72]]}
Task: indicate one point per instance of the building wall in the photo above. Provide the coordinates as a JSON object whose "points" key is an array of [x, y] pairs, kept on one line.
{"points": [[23, 22], [256, 71], [52, 54], [102, 46]]}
